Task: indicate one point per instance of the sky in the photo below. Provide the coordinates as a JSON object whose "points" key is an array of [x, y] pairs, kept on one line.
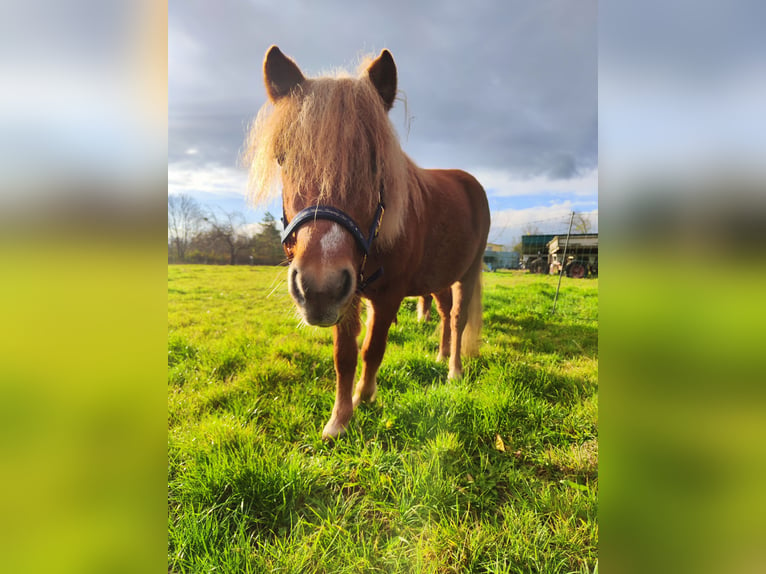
{"points": [[692, 98], [507, 91]]}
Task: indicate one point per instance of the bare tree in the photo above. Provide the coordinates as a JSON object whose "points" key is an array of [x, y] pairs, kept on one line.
{"points": [[226, 227], [530, 229], [581, 223], [184, 221]]}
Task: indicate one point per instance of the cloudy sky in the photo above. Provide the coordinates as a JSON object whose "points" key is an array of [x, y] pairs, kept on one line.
{"points": [[505, 90]]}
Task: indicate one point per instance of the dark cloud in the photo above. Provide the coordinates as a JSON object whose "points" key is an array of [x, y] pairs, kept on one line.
{"points": [[684, 40], [501, 85]]}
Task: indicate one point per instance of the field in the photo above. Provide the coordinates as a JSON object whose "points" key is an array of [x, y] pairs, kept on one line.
{"points": [[494, 473]]}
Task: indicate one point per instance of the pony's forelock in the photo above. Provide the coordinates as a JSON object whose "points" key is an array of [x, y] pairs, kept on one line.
{"points": [[333, 137]]}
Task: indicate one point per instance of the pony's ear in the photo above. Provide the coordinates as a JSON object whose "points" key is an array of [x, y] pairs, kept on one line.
{"points": [[382, 74], [280, 74]]}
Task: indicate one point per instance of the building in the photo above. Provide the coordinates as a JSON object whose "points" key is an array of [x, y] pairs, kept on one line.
{"points": [[545, 253], [581, 253], [495, 257], [534, 247]]}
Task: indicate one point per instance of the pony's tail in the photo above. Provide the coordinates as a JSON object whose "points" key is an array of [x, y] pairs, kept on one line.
{"points": [[469, 344]]}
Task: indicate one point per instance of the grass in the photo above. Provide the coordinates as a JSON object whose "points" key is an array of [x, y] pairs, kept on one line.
{"points": [[493, 473]]}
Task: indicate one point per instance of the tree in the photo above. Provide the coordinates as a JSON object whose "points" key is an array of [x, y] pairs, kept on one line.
{"points": [[530, 229], [581, 223], [184, 222], [267, 244], [225, 228], [207, 248]]}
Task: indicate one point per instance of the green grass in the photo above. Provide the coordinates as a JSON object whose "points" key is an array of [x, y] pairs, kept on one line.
{"points": [[493, 473]]}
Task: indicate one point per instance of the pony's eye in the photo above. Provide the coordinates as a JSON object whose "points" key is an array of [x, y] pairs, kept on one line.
{"points": [[289, 248], [280, 158]]}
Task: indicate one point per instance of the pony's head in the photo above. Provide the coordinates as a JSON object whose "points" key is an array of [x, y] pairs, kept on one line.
{"points": [[329, 143]]}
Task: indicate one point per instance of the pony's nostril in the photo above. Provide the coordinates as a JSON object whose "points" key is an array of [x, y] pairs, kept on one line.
{"points": [[296, 288], [345, 289]]}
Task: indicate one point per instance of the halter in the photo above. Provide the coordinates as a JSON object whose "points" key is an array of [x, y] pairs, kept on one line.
{"points": [[330, 213]]}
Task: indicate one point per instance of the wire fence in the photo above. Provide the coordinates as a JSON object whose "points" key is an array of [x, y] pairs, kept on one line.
{"points": [[551, 246]]}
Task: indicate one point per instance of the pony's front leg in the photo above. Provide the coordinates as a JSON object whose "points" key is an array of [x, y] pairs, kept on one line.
{"points": [[380, 316], [345, 354]]}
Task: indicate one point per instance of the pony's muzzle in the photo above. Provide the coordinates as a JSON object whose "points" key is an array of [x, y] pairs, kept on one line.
{"points": [[321, 295]]}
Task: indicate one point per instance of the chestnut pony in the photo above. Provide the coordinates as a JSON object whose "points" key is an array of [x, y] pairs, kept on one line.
{"points": [[362, 220]]}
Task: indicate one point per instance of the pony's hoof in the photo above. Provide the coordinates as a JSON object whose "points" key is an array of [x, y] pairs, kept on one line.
{"points": [[359, 399], [333, 430], [454, 374], [364, 395]]}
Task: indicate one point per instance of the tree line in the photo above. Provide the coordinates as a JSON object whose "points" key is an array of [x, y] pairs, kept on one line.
{"points": [[200, 235]]}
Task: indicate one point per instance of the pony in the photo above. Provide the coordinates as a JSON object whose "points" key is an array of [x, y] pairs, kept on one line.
{"points": [[424, 308], [362, 221]]}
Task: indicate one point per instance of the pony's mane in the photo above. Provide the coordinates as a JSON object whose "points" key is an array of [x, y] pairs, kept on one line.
{"points": [[334, 136]]}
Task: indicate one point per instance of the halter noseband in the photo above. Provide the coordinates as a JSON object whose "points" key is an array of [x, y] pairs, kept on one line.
{"points": [[330, 213]]}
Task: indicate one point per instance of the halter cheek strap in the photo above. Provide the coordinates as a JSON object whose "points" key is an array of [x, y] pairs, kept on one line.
{"points": [[330, 213]]}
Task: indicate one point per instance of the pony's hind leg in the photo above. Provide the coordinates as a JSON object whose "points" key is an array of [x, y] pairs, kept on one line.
{"points": [[424, 308], [464, 308], [380, 315], [444, 306]]}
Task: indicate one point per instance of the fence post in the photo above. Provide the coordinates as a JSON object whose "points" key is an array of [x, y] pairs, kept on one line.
{"points": [[563, 264]]}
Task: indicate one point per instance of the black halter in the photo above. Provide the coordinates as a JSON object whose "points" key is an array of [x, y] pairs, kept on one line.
{"points": [[342, 218]]}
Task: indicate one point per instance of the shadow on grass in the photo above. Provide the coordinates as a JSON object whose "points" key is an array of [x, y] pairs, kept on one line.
{"points": [[409, 330], [310, 363], [538, 335], [398, 376]]}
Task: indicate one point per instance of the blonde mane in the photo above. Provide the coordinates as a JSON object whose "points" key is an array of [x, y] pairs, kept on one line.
{"points": [[333, 136]]}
